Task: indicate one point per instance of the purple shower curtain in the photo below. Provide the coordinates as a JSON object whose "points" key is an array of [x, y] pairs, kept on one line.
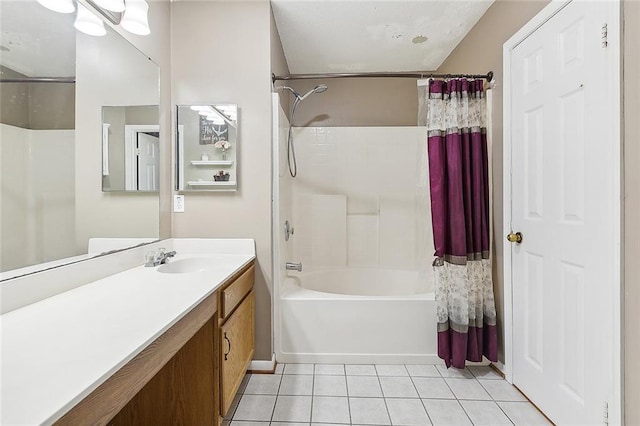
{"points": [[459, 182]]}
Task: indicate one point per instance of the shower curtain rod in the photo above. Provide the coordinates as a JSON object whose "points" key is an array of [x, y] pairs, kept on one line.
{"points": [[488, 76], [39, 80]]}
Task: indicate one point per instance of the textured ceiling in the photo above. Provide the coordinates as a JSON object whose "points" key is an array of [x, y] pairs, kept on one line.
{"points": [[36, 41], [332, 36]]}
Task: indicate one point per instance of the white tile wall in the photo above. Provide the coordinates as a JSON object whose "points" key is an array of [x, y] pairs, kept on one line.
{"points": [[378, 172]]}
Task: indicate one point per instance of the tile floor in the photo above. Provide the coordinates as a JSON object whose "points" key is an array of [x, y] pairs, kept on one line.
{"points": [[332, 395]]}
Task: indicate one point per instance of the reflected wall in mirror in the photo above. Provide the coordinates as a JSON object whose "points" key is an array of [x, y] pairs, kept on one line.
{"points": [[53, 84], [130, 148], [207, 147]]}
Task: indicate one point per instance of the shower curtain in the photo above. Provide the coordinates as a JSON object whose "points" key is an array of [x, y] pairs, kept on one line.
{"points": [[459, 187]]}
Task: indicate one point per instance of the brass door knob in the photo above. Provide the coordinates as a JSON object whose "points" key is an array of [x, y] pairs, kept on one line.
{"points": [[514, 238]]}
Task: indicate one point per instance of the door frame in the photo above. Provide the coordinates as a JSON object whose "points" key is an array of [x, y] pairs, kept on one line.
{"points": [[615, 407], [130, 137]]}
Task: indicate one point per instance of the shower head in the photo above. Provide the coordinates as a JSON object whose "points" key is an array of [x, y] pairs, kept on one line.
{"points": [[318, 89]]}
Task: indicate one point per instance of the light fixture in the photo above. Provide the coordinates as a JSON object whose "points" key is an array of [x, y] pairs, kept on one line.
{"points": [[89, 23], [61, 6], [112, 5], [132, 15], [135, 18]]}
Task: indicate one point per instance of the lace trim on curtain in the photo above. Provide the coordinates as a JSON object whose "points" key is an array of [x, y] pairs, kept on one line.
{"points": [[458, 112], [464, 296]]}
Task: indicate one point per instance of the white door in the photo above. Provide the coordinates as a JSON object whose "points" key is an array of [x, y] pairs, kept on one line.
{"points": [[562, 201], [148, 162]]}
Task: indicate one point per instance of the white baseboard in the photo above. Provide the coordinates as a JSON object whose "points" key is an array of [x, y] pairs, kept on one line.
{"points": [[266, 365]]}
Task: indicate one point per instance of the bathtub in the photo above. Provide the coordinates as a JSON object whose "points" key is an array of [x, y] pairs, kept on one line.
{"points": [[355, 315]]}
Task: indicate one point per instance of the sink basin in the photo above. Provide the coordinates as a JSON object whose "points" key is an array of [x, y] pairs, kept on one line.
{"points": [[186, 266]]}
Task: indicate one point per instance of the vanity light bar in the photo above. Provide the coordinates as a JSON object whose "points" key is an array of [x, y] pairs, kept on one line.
{"points": [[133, 15]]}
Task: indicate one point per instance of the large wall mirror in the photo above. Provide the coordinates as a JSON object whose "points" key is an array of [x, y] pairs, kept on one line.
{"points": [[58, 89]]}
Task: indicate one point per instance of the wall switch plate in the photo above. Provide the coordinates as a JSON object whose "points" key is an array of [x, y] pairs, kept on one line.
{"points": [[178, 203]]}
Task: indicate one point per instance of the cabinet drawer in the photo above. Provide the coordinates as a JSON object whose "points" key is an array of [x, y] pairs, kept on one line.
{"points": [[237, 341], [233, 294]]}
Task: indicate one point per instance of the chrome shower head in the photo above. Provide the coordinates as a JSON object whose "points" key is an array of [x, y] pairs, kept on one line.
{"points": [[318, 89]]}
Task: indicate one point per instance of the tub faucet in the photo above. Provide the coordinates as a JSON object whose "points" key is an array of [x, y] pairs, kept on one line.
{"points": [[292, 266], [159, 258]]}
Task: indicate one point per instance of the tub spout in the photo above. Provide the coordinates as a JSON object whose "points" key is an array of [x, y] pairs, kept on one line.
{"points": [[292, 266]]}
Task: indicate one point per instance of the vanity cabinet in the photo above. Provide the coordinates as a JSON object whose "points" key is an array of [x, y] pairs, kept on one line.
{"points": [[190, 374], [236, 309]]}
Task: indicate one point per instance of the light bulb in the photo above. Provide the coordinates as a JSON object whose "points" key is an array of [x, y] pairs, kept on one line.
{"points": [[112, 5], [135, 18], [89, 23], [61, 6]]}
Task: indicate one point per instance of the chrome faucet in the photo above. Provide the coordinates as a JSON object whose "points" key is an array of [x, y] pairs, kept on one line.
{"points": [[292, 266], [159, 258]]}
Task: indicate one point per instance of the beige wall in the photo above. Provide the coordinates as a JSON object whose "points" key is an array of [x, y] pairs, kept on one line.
{"points": [[632, 211], [221, 53], [109, 71], [36, 106], [157, 46], [14, 100], [279, 64], [479, 52], [358, 102]]}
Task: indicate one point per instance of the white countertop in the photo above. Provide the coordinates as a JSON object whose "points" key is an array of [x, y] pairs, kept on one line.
{"points": [[58, 350]]}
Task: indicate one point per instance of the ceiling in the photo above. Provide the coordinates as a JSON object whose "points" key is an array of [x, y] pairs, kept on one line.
{"points": [[335, 36], [36, 41]]}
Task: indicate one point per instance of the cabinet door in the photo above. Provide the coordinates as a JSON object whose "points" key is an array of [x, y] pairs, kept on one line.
{"points": [[236, 339]]}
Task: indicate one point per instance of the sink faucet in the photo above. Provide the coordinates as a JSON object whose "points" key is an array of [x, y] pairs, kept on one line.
{"points": [[159, 258], [292, 266]]}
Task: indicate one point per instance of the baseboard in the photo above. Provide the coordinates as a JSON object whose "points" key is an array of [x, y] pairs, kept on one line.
{"points": [[499, 366], [263, 366]]}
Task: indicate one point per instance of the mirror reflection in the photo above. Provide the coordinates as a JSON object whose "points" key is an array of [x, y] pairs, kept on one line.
{"points": [[207, 147], [54, 83], [130, 148]]}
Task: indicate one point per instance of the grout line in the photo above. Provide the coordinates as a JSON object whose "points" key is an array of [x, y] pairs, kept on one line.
{"points": [[275, 403], [313, 390], [346, 386], [504, 412], [384, 398], [419, 398]]}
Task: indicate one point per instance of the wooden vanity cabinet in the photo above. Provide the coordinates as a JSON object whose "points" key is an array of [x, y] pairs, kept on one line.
{"points": [[189, 375], [236, 335]]}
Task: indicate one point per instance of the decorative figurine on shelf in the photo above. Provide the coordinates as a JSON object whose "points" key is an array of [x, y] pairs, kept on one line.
{"points": [[221, 176], [223, 145]]}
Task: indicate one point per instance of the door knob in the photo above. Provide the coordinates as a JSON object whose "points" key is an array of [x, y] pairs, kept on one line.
{"points": [[514, 238]]}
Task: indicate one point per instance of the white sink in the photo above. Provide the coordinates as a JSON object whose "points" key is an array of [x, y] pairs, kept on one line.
{"points": [[186, 266]]}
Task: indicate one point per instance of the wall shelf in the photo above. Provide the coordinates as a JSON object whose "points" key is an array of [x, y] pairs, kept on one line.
{"points": [[211, 183], [221, 163]]}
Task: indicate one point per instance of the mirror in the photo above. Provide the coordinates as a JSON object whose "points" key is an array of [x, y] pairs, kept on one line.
{"points": [[54, 83], [130, 148], [207, 147]]}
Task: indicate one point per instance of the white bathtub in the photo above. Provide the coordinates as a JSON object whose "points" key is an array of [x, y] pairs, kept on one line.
{"points": [[358, 316]]}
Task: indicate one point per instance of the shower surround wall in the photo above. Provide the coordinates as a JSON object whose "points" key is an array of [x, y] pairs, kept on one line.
{"points": [[361, 198], [361, 213]]}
